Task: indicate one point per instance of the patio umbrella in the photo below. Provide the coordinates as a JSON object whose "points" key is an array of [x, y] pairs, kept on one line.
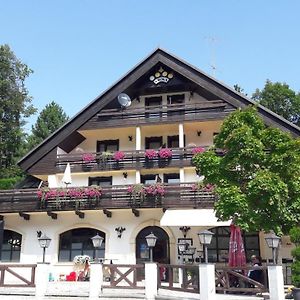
{"points": [[67, 175], [236, 254]]}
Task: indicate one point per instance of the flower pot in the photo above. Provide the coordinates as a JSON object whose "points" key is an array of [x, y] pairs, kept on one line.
{"points": [[86, 167], [163, 162], [296, 293], [149, 163]]}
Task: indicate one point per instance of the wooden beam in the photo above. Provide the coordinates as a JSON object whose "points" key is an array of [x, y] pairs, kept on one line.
{"points": [[52, 215], [24, 216], [80, 214], [135, 212], [107, 213]]}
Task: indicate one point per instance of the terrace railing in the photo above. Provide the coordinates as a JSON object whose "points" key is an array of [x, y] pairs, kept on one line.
{"points": [[161, 113], [181, 157], [182, 195]]}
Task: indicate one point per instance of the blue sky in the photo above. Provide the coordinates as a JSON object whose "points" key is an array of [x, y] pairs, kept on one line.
{"points": [[78, 48]]}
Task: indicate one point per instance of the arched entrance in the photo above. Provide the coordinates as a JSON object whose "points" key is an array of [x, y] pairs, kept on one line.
{"points": [[161, 251], [78, 242]]}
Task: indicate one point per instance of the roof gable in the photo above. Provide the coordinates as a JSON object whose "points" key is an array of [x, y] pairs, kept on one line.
{"points": [[136, 77]]}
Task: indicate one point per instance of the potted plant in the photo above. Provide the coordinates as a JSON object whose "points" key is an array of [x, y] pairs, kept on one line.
{"points": [[87, 159], [136, 193], [118, 156], [165, 155], [154, 192], [150, 155], [295, 238]]}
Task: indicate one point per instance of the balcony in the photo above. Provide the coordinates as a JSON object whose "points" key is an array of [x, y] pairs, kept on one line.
{"points": [[181, 157], [183, 195], [208, 110]]}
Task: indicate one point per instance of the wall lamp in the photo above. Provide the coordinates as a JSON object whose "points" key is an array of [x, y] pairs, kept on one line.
{"points": [[184, 230], [130, 138], [120, 230], [125, 175], [199, 132]]}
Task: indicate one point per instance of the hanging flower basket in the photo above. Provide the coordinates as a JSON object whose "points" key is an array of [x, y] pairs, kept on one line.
{"points": [[118, 156], [150, 154]]}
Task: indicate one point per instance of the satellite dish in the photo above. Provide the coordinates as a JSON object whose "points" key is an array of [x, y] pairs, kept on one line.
{"points": [[124, 100]]}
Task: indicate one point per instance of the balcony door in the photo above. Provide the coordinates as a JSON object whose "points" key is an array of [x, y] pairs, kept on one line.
{"points": [[153, 142], [153, 104], [108, 146]]}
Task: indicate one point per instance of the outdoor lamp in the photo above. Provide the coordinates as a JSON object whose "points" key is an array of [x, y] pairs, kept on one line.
{"points": [[272, 241], [151, 241], [205, 237], [97, 242], [44, 242]]}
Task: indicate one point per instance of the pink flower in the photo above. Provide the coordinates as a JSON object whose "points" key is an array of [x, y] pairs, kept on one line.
{"points": [[198, 150], [88, 157], [119, 155], [165, 153], [130, 189], [150, 154]]}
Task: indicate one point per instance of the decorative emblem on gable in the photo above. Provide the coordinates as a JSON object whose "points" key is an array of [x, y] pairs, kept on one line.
{"points": [[161, 76]]}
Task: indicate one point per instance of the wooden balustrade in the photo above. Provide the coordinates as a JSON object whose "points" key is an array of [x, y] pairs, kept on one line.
{"points": [[133, 160], [175, 196], [122, 276], [18, 279], [183, 278], [233, 280]]}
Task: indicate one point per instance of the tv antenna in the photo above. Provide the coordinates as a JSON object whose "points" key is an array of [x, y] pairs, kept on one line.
{"points": [[212, 47], [124, 100]]}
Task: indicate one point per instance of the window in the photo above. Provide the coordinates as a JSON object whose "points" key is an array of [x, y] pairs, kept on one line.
{"points": [[148, 179], [218, 249], [78, 242], [153, 104], [153, 142], [11, 247], [173, 141], [101, 181], [108, 146], [175, 99], [172, 178]]}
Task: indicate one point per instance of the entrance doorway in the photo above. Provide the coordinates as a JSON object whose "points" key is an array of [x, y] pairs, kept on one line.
{"points": [[161, 251]]}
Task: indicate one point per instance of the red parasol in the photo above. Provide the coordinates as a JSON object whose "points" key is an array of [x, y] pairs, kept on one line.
{"points": [[236, 254]]}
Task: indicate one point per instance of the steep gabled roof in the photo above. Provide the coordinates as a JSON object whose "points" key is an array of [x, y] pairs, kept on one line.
{"points": [[181, 67]]}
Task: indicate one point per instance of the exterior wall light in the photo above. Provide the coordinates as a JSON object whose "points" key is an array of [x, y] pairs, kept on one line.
{"points": [[205, 237], [97, 242], [44, 242], [272, 241], [151, 241]]}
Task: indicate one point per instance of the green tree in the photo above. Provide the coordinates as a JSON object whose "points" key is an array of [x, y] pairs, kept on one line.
{"points": [[239, 89], [15, 107], [50, 119], [281, 99], [257, 177]]}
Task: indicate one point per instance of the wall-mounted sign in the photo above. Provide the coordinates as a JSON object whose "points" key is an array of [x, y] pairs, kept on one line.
{"points": [[161, 76]]}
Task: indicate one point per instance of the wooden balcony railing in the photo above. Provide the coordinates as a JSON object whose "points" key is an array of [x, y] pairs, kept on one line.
{"points": [[162, 113], [181, 157], [175, 195]]}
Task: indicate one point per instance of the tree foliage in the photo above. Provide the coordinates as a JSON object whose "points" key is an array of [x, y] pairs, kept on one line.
{"points": [[50, 119], [281, 99], [15, 107], [257, 178]]}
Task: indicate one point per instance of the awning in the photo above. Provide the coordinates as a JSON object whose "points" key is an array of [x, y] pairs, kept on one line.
{"points": [[191, 217]]}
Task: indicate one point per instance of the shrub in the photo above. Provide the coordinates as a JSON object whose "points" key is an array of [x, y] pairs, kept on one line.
{"points": [[295, 238], [119, 155], [88, 157], [150, 154], [165, 153]]}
